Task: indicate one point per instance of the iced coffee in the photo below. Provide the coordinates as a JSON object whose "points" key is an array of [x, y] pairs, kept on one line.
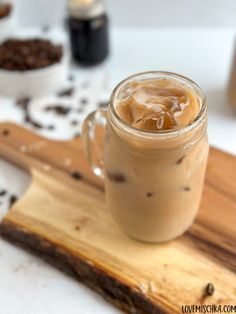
{"points": [[155, 155]]}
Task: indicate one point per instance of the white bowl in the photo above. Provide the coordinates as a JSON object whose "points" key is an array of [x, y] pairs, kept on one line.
{"points": [[7, 25], [34, 83]]}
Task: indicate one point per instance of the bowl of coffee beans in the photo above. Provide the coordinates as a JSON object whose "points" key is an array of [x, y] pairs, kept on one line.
{"points": [[31, 67]]}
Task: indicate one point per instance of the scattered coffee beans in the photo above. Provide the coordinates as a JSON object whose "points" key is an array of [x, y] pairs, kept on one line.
{"points": [[58, 109], [66, 92]]}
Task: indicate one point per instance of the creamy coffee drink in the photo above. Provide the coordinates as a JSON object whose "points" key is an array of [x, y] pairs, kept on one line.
{"points": [[154, 185], [155, 154]]}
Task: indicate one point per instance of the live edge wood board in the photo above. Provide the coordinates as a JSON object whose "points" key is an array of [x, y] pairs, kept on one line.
{"points": [[65, 221]]}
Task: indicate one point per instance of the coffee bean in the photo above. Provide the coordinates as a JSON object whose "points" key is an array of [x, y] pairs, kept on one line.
{"points": [[66, 92], [180, 160], [51, 127], [32, 122], [5, 132], [58, 109], [12, 200], [187, 188], [77, 227], [23, 103], [74, 122], [83, 101], [76, 175], [35, 124], [116, 177], [103, 104], [210, 289], [3, 192]]}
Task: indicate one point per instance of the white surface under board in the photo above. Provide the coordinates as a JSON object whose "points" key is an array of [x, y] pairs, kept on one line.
{"points": [[27, 284]]}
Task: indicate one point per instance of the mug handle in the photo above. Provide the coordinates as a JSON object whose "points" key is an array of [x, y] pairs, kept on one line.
{"points": [[92, 138]]}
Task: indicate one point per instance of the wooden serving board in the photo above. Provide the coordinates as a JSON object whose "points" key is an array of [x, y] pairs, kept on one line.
{"points": [[65, 221]]}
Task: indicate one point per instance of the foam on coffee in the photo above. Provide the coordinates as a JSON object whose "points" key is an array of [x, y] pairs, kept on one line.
{"points": [[160, 104]]}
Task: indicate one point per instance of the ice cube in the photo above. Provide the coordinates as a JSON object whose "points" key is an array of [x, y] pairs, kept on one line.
{"points": [[137, 111], [140, 97], [165, 92], [156, 120]]}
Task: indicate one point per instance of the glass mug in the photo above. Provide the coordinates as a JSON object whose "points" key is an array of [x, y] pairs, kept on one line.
{"points": [[153, 180]]}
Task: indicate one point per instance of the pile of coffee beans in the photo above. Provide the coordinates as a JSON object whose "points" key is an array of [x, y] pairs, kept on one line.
{"points": [[28, 54], [5, 10], [12, 198]]}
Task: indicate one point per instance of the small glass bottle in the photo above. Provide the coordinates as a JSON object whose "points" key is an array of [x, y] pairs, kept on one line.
{"points": [[88, 28]]}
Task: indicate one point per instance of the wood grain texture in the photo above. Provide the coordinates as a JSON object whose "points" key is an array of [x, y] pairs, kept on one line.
{"points": [[66, 222]]}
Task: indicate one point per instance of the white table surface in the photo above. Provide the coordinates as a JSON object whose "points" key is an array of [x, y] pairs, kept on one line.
{"points": [[27, 284]]}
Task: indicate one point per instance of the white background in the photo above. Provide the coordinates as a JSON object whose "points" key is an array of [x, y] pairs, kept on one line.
{"points": [[140, 13], [194, 38]]}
